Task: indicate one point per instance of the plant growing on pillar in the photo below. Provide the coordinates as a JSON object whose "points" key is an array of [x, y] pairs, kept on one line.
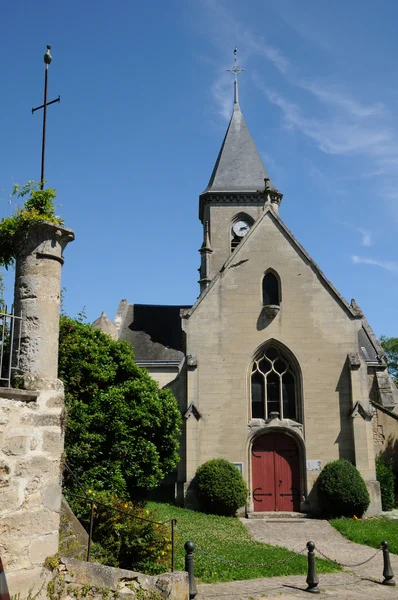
{"points": [[37, 208]]}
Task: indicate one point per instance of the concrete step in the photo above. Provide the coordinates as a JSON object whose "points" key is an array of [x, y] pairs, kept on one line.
{"points": [[278, 516]]}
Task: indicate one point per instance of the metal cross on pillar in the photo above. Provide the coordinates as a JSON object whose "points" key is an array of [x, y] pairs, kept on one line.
{"points": [[236, 70], [47, 60]]}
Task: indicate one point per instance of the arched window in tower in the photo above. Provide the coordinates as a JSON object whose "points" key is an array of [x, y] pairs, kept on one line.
{"points": [[240, 227], [274, 385], [271, 289]]}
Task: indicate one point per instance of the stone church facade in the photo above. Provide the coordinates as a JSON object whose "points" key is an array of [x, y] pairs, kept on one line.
{"points": [[273, 369]]}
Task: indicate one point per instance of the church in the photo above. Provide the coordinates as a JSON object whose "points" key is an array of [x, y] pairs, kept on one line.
{"points": [[272, 368]]}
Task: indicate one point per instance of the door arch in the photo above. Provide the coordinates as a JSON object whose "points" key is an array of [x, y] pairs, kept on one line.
{"points": [[275, 459]]}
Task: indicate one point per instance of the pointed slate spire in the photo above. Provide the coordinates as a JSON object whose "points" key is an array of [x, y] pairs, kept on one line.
{"points": [[239, 167]]}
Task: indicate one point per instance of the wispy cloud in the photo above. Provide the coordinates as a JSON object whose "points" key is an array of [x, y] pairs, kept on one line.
{"points": [[334, 136], [330, 93], [336, 121], [383, 264], [221, 92], [366, 234], [366, 237]]}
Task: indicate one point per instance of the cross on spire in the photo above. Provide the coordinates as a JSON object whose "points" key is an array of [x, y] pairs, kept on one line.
{"points": [[236, 70], [47, 61]]}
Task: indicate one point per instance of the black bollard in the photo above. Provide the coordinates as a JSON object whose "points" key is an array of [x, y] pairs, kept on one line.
{"points": [[312, 577], [387, 571], [189, 549]]}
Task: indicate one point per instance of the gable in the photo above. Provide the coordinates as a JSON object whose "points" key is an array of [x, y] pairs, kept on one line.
{"points": [[268, 240]]}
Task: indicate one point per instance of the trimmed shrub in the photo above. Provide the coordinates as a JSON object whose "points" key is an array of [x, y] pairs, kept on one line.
{"points": [[342, 491], [220, 487], [385, 476]]}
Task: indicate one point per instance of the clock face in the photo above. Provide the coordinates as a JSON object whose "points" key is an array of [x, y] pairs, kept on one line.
{"points": [[240, 228]]}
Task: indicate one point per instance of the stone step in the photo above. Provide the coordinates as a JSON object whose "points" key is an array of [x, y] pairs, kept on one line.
{"points": [[277, 516]]}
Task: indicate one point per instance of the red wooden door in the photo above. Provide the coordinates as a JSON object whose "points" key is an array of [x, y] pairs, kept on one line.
{"points": [[275, 473], [263, 474]]}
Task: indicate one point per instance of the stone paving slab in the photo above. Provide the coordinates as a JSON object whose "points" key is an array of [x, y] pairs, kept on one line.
{"points": [[337, 585]]}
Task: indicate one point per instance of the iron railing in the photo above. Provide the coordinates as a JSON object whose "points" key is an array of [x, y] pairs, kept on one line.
{"points": [[10, 345]]}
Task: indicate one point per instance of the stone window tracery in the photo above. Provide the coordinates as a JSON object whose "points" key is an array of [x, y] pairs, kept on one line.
{"points": [[273, 386]]}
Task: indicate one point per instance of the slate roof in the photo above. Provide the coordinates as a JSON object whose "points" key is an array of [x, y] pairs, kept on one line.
{"points": [[154, 331], [366, 347], [239, 167]]}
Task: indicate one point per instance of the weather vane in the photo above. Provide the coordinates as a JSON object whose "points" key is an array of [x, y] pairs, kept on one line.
{"points": [[47, 61], [236, 70]]}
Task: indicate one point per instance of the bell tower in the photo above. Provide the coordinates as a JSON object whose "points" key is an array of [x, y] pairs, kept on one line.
{"points": [[238, 189]]}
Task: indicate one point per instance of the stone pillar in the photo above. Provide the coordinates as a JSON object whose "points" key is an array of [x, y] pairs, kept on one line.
{"points": [[37, 298], [363, 432], [32, 419]]}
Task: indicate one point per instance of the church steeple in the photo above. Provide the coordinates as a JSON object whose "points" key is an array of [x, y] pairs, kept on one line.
{"points": [[239, 168], [236, 194]]}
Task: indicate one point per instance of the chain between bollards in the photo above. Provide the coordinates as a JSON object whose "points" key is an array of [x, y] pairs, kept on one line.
{"points": [[312, 577], [189, 568], [387, 571]]}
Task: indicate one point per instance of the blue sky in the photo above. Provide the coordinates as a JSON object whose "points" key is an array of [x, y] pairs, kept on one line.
{"points": [[145, 101]]}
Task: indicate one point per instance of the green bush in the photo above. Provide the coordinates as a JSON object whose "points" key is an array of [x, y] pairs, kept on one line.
{"points": [[120, 540], [122, 430], [385, 476], [342, 491], [220, 487]]}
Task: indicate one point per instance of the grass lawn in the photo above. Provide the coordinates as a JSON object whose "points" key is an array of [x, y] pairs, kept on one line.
{"points": [[227, 537], [370, 532]]}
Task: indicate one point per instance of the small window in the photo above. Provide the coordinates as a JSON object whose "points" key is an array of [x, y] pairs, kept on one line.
{"points": [[270, 290]]}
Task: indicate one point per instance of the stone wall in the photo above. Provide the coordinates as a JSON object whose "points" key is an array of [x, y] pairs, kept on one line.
{"points": [[31, 443], [385, 432], [76, 580]]}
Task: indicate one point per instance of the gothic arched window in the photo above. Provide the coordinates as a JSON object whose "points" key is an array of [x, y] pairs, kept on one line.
{"points": [[271, 293], [273, 386]]}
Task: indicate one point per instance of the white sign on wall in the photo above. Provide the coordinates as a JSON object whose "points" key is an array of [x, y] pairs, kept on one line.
{"points": [[314, 465]]}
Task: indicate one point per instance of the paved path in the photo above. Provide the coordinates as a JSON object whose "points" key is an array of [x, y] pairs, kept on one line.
{"points": [[355, 583], [295, 534]]}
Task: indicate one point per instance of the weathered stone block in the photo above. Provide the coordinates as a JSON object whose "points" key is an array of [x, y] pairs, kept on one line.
{"points": [[15, 445], [26, 582], [30, 523], [36, 464], [4, 473], [42, 420], [53, 442], [33, 485], [55, 401], [42, 547], [9, 501], [52, 497]]}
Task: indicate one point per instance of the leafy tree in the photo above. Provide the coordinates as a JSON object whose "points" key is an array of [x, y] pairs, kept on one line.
{"points": [[121, 430], [390, 347]]}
